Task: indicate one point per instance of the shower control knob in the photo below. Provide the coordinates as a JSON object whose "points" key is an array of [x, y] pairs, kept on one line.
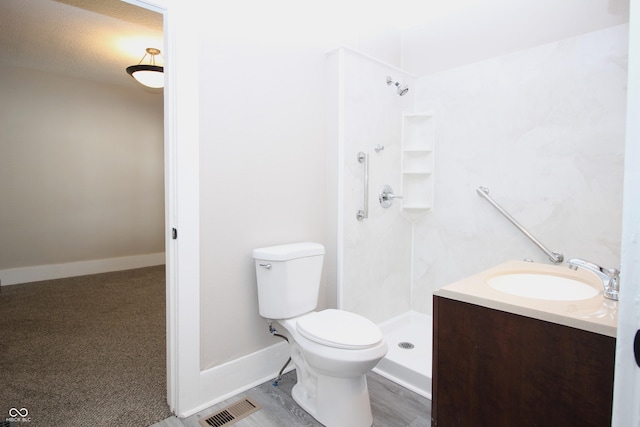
{"points": [[386, 196]]}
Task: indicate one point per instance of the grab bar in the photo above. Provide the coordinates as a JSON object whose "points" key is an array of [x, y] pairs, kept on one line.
{"points": [[555, 257], [364, 212]]}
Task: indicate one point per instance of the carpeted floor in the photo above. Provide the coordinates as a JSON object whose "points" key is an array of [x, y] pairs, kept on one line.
{"points": [[85, 351]]}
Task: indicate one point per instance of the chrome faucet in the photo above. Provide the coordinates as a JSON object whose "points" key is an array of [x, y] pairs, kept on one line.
{"points": [[610, 276]]}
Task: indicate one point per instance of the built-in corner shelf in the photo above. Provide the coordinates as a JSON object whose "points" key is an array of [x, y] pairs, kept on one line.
{"points": [[418, 143]]}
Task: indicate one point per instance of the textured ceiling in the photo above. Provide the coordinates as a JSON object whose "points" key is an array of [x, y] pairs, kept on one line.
{"points": [[90, 39]]}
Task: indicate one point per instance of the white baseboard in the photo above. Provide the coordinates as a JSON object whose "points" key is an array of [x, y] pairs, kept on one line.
{"points": [[229, 379], [14, 276]]}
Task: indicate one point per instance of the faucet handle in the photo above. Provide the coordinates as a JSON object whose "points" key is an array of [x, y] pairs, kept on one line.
{"points": [[575, 263], [614, 273], [610, 276]]}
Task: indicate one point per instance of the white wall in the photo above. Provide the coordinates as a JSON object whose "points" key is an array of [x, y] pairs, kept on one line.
{"points": [[263, 178], [543, 128], [81, 171]]}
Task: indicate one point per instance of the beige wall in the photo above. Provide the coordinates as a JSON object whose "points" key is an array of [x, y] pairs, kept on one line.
{"points": [[81, 170], [262, 183]]}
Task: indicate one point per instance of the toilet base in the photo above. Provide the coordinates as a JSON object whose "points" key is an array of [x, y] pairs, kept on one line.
{"points": [[336, 402]]}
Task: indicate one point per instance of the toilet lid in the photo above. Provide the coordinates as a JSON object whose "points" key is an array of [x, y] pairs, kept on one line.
{"points": [[340, 329]]}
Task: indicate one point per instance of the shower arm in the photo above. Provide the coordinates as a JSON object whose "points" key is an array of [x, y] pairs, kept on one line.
{"points": [[555, 257]]}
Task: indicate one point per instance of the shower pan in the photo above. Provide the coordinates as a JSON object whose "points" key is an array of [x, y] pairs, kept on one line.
{"points": [[409, 359]]}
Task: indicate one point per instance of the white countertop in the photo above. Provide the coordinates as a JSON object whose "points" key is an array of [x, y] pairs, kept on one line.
{"points": [[597, 314]]}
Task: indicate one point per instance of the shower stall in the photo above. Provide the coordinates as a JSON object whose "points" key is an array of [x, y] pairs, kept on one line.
{"points": [[381, 164], [502, 129]]}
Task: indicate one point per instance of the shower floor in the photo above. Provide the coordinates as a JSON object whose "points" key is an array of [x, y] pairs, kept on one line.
{"points": [[408, 367]]}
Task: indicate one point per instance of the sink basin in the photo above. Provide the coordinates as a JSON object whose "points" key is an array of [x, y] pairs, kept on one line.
{"points": [[543, 286]]}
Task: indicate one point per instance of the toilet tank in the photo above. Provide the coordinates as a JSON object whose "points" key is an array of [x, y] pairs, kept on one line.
{"points": [[288, 278]]}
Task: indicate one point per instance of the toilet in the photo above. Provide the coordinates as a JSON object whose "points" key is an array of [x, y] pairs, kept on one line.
{"points": [[332, 350]]}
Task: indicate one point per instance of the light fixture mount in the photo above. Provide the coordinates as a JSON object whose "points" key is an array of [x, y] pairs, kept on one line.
{"points": [[150, 75]]}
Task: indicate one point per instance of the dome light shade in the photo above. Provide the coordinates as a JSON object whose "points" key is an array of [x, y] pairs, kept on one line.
{"points": [[150, 75]]}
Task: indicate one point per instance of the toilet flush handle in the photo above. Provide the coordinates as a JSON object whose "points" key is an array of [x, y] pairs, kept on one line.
{"points": [[267, 266]]}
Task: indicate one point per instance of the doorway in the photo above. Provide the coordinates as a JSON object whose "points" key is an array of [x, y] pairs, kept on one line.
{"points": [[89, 177]]}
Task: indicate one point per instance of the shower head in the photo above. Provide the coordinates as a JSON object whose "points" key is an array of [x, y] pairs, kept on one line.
{"points": [[402, 89]]}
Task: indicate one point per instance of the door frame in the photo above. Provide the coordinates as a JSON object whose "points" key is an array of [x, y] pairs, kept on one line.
{"points": [[626, 388], [181, 169]]}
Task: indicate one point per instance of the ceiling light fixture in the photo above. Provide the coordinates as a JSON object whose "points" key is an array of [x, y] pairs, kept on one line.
{"points": [[150, 75]]}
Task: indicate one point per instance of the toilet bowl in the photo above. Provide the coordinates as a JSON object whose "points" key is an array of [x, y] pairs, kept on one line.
{"points": [[336, 342], [332, 350]]}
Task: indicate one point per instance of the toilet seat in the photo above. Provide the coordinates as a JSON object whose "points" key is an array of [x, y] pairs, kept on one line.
{"points": [[339, 329]]}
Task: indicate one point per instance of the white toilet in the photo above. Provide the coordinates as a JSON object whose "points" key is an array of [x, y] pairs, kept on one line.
{"points": [[332, 349]]}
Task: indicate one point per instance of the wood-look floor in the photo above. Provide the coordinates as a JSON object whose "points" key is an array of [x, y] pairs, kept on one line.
{"points": [[392, 406]]}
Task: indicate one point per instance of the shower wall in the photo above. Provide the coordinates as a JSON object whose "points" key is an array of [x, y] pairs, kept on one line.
{"points": [[373, 255], [543, 128]]}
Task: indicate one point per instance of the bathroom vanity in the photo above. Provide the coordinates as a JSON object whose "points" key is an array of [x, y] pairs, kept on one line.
{"points": [[501, 359]]}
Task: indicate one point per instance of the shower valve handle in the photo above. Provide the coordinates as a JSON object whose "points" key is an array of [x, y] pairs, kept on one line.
{"points": [[386, 196]]}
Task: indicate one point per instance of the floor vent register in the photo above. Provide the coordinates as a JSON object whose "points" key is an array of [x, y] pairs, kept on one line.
{"points": [[231, 414]]}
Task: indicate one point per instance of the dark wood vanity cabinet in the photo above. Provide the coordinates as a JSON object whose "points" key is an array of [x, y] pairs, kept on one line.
{"points": [[497, 369]]}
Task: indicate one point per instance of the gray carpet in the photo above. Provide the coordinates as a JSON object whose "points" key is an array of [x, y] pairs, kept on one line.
{"points": [[85, 351]]}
